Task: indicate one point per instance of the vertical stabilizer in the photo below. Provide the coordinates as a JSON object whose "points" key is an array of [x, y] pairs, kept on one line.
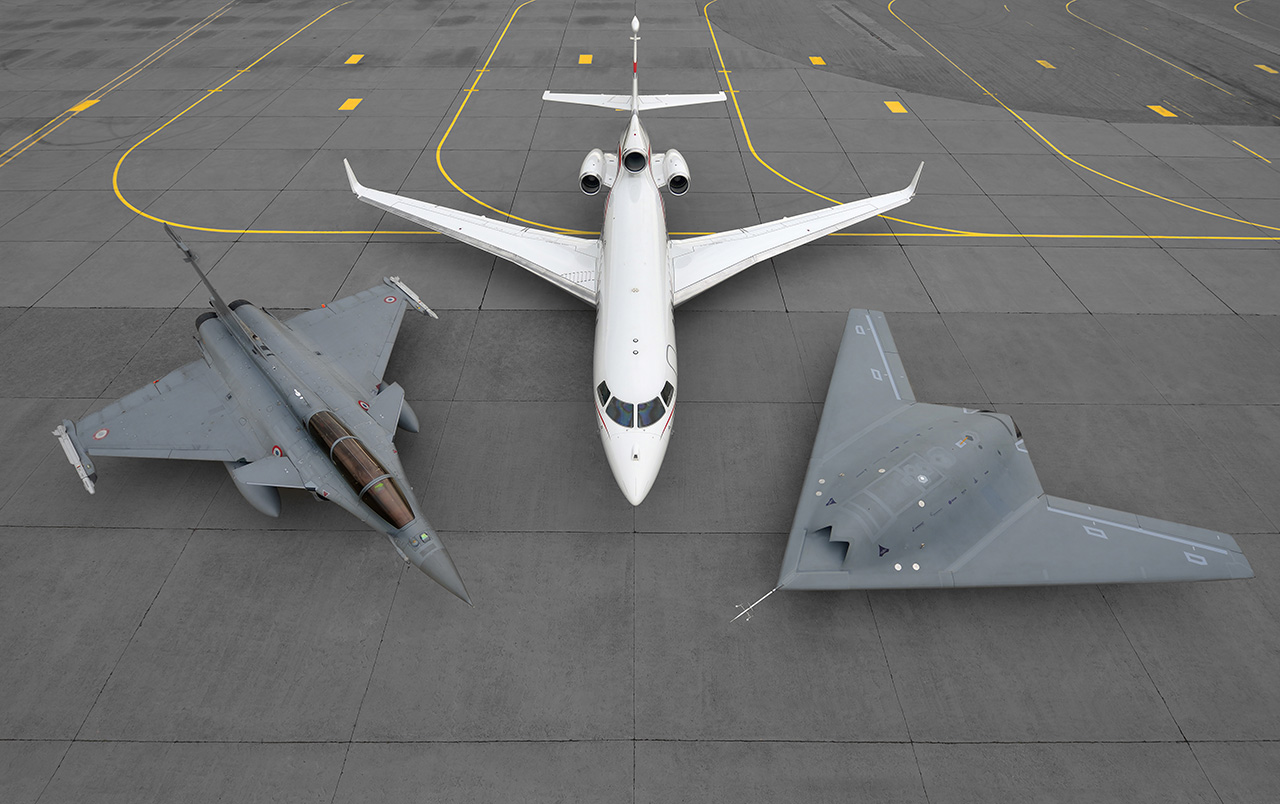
{"points": [[635, 65]]}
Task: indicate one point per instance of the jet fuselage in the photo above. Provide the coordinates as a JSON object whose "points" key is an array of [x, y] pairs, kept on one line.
{"points": [[635, 348]]}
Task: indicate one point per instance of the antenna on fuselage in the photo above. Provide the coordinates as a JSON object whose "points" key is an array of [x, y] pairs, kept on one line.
{"points": [[635, 65]]}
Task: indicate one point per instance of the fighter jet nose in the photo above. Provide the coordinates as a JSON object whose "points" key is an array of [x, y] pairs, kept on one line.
{"points": [[439, 567], [428, 554]]}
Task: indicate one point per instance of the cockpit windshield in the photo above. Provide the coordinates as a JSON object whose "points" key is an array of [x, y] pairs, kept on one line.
{"points": [[366, 476], [644, 414]]}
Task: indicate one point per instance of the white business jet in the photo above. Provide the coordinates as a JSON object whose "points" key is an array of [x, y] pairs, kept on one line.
{"points": [[633, 274]]}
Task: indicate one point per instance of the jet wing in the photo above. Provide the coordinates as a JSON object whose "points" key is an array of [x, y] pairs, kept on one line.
{"points": [[701, 263], [186, 414], [358, 331], [982, 518], [566, 262]]}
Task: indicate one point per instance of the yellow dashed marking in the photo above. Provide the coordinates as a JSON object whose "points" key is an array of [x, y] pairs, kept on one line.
{"points": [[349, 104], [1163, 112], [895, 107], [817, 60], [1267, 69], [355, 58], [585, 58], [82, 105], [1045, 64], [1255, 153]]}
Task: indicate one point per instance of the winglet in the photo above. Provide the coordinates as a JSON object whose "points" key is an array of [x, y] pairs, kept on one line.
{"points": [[356, 186], [911, 189]]}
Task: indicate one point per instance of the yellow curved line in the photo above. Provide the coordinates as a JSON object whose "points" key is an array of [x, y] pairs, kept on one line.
{"points": [[115, 174], [733, 93], [115, 83], [1236, 8], [466, 97], [1057, 151], [1126, 41]]}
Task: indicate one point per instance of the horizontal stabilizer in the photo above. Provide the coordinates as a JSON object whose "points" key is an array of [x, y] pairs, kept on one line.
{"points": [[622, 103]]}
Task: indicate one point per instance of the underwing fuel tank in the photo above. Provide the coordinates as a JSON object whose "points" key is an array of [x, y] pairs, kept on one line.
{"points": [[264, 498]]}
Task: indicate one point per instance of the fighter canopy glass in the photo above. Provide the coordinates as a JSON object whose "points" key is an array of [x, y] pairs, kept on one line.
{"points": [[632, 415], [366, 476]]}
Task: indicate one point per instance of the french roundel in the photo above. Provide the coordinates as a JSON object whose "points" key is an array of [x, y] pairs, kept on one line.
{"points": [[101, 434], [276, 451], [390, 300], [363, 404]]}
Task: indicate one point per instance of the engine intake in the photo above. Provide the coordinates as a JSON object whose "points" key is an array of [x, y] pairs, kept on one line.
{"points": [[591, 174], [635, 161], [676, 171]]}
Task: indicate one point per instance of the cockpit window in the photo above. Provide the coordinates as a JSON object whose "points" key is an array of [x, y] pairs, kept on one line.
{"points": [[642, 415], [366, 476], [621, 412], [649, 412], [388, 502]]}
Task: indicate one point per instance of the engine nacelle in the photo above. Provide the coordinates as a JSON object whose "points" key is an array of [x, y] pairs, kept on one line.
{"points": [[591, 174], [676, 172]]}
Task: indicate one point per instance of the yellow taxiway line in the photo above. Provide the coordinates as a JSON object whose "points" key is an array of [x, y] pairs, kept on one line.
{"points": [[935, 231], [1098, 173], [9, 154]]}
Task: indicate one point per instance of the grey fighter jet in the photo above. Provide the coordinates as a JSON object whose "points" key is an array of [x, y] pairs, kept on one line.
{"points": [[904, 494], [297, 404]]}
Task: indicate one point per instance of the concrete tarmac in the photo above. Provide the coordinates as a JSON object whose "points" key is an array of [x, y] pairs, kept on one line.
{"points": [[1103, 272]]}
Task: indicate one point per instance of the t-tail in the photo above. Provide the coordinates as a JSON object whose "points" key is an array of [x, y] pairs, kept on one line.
{"points": [[636, 102]]}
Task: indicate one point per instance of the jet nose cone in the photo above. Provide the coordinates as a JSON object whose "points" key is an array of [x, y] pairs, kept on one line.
{"points": [[428, 554], [635, 464], [439, 567]]}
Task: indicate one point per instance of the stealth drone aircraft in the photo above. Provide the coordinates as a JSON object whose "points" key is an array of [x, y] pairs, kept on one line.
{"points": [[297, 404], [904, 494], [633, 274]]}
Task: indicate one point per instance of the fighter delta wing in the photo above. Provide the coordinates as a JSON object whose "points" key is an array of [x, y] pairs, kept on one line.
{"points": [[297, 404], [905, 494]]}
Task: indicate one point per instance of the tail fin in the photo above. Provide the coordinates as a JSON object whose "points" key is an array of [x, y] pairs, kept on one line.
{"points": [[635, 102]]}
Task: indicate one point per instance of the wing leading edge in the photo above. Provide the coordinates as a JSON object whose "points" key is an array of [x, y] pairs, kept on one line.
{"points": [[701, 263], [567, 262], [878, 452]]}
